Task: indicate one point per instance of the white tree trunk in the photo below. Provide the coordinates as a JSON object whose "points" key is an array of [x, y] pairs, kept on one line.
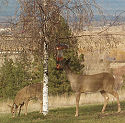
{"points": [[45, 69], [45, 79]]}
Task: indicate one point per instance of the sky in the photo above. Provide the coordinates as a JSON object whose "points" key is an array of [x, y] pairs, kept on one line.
{"points": [[109, 6], [10, 9], [112, 6]]}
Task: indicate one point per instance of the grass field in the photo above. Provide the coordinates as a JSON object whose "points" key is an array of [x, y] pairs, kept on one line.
{"points": [[87, 114]]}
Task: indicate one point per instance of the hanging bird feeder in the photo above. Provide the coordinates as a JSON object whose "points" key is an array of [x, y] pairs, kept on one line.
{"points": [[59, 55]]}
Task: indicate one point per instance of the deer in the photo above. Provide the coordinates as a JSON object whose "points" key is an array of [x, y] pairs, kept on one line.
{"points": [[26, 94], [118, 73], [102, 82]]}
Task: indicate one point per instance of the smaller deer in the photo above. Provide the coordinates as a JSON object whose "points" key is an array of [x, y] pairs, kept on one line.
{"points": [[25, 95], [102, 82]]}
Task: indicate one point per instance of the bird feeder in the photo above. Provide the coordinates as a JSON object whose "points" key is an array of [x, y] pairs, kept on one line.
{"points": [[59, 55]]}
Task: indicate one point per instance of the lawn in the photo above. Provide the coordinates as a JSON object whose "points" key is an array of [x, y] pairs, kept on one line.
{"points": [[87, 114]]}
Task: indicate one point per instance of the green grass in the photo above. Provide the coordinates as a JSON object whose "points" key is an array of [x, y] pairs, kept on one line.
{"points": [[87, 114]]}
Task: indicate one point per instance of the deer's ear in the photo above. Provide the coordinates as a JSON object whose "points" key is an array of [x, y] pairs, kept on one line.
{"points": [[14, 106], [9, 106], [67, 62]]}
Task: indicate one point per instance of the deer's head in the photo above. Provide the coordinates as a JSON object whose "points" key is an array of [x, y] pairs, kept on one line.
{"points": [[13, 109], [66, 64]]}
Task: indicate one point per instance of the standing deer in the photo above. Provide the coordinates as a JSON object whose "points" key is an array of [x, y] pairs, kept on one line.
{"points": [[25, 95], [118, 73], [102, 82]]}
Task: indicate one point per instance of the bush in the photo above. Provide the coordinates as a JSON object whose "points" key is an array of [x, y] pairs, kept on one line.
{"points": [[58, 83], [13, 77]]}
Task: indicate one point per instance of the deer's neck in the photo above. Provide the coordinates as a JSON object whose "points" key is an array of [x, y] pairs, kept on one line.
{"points": [[68, 71], [71, 76]]}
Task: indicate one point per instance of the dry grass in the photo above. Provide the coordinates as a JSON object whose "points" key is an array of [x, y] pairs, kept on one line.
{"points": [[62, 101]]}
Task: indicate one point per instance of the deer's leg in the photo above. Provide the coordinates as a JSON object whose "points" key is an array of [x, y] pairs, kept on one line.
{"points": [[115, 94], [26, 104], [19, 110], [106, 99], [77, 103], [41, 105]]}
